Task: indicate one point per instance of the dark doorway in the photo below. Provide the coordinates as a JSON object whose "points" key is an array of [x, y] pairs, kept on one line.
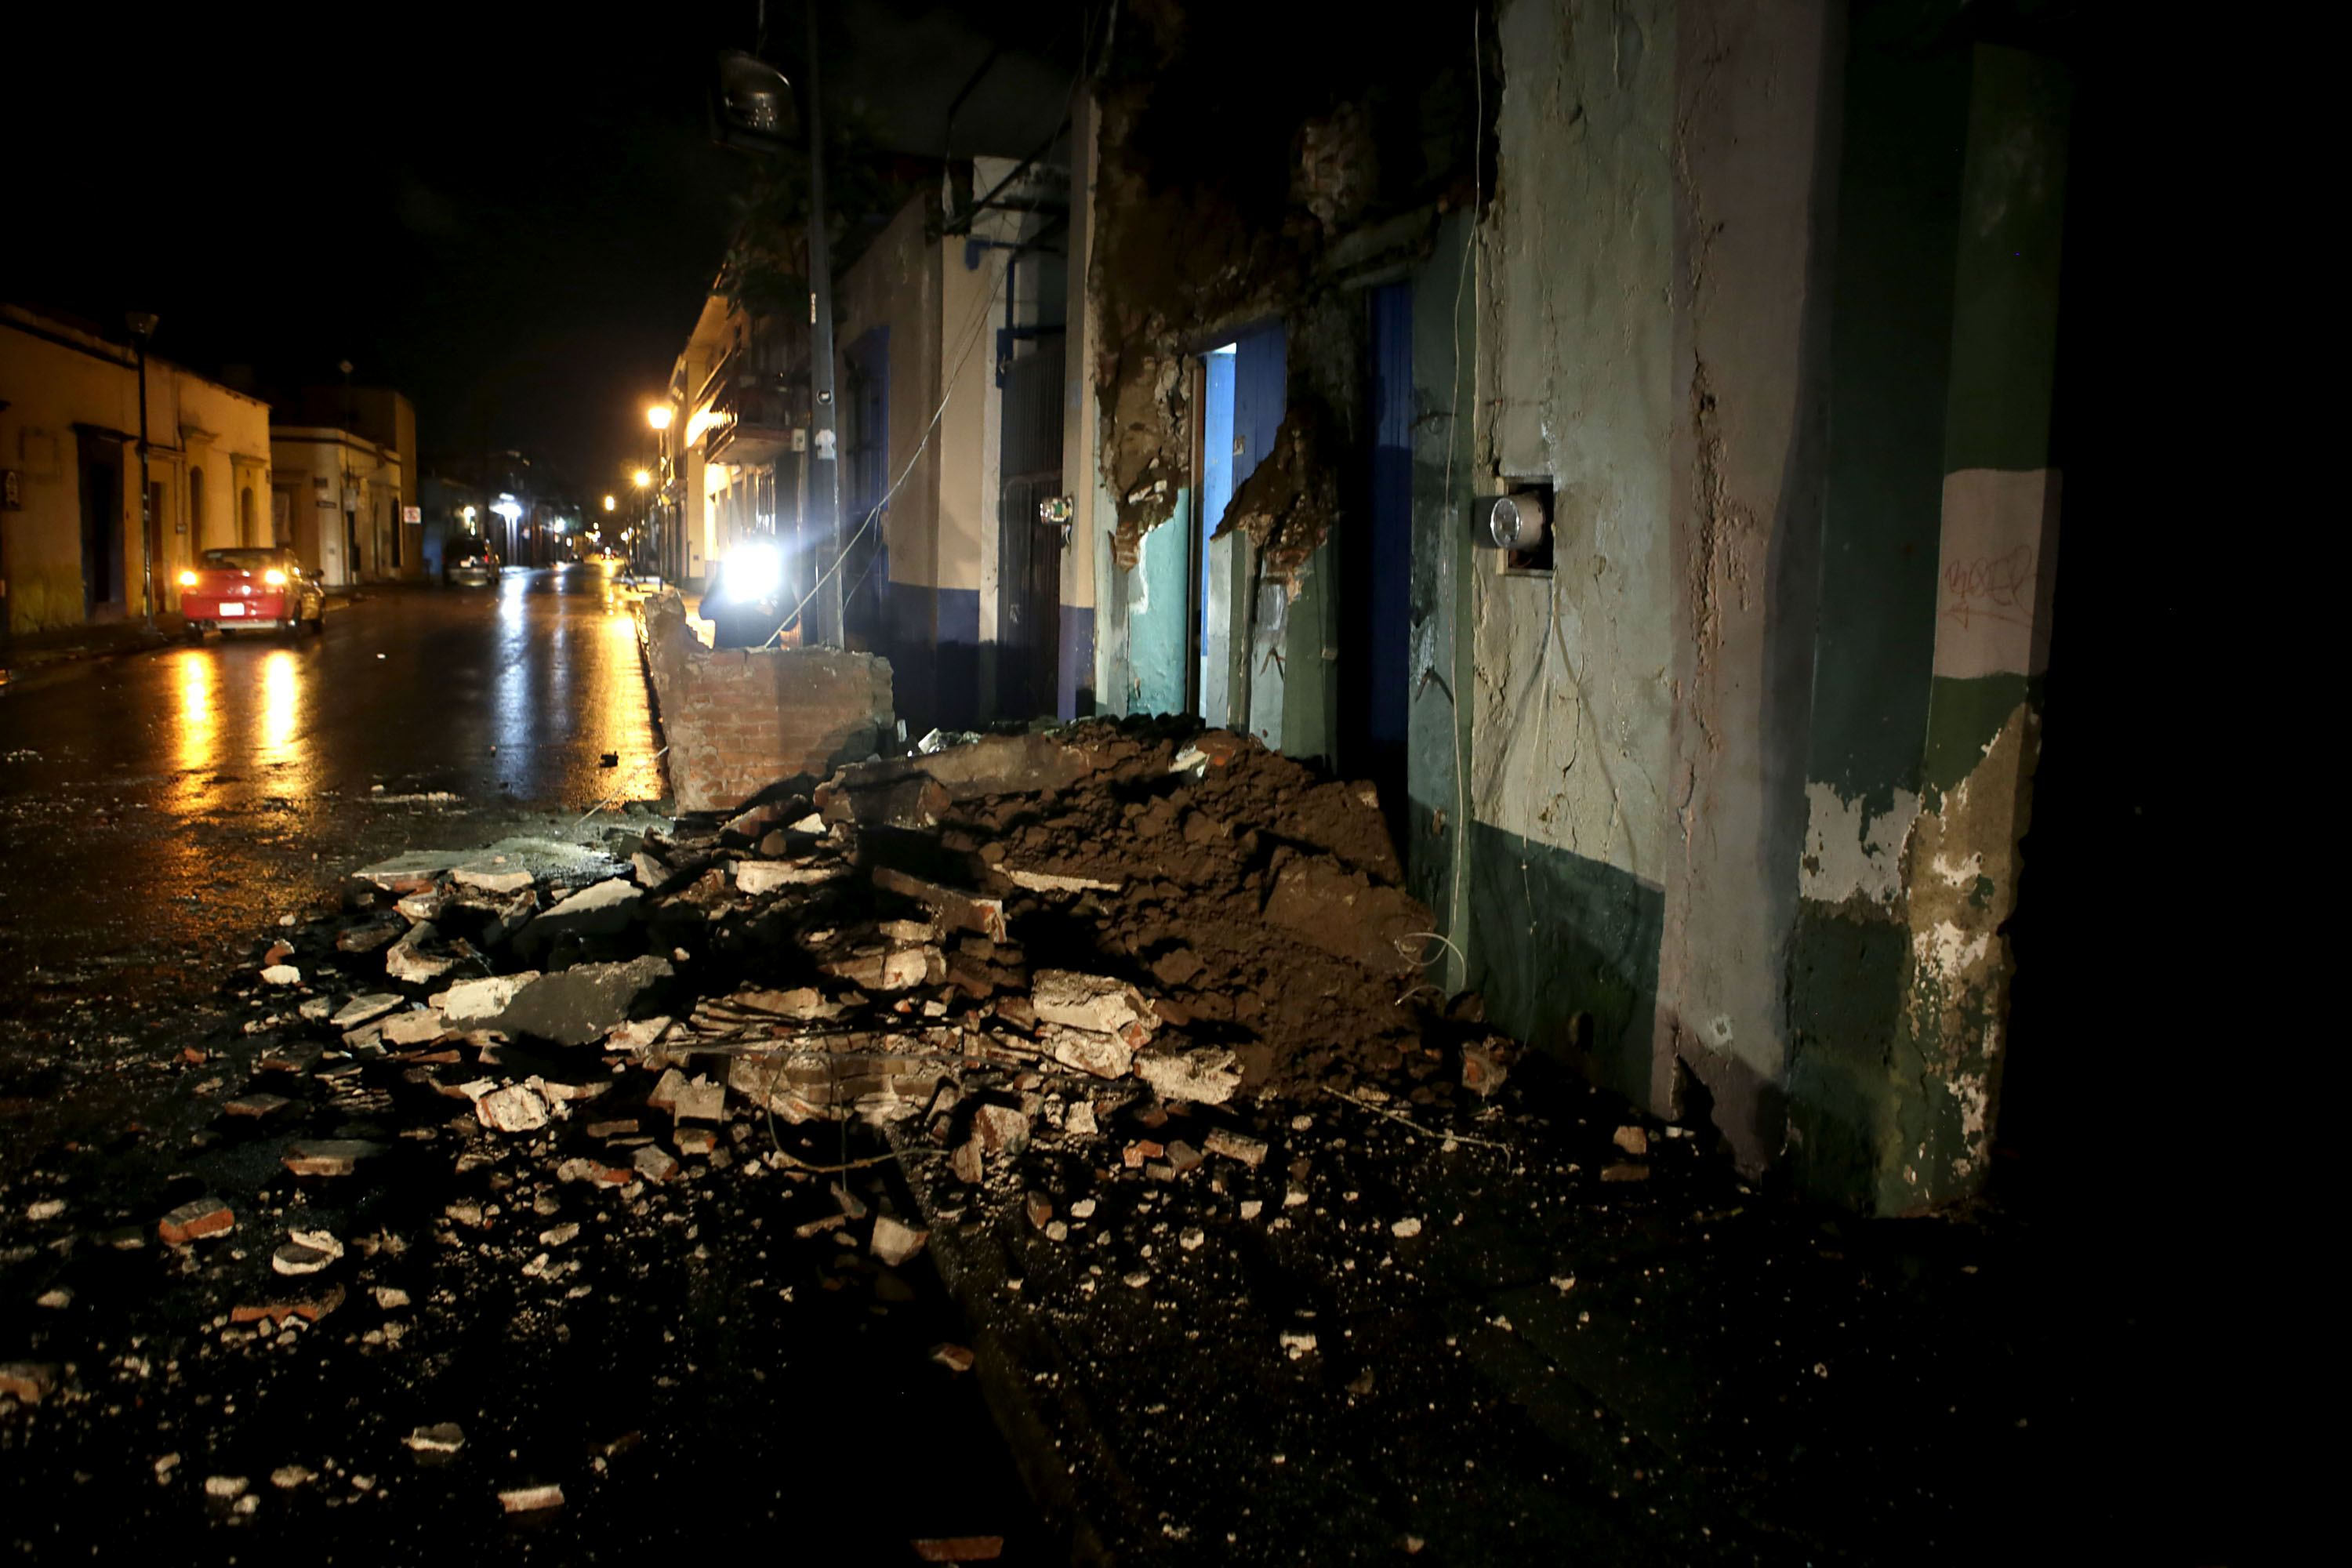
{"points": [[101, 522], [1029, 550]]}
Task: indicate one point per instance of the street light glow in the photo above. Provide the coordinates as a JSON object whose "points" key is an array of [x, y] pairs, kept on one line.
{"points": [[659, 415], [641, 478], [610, 503]]}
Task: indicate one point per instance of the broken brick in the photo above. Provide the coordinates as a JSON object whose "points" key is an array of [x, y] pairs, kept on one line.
{"points": [[205, 1216]]}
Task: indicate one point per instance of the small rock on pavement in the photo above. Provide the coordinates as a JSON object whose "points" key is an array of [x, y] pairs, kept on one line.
{"points": [[281, 975], [286, 1478], [1633, 1140], [443, 1438], [895, 1241], [328, 1156], [294, 1259], [47, 1208], [28, 1382], [1406, 1228], [1039, 1207], [1482, 1071], [531, 1499], [954, 1357], [205, 1216], [1235, 1145], [655, 1164], [225, 1488]]}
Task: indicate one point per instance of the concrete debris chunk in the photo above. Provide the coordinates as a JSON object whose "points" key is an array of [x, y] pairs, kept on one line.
{"points": [[754, 878], [364, 1009], [295, 1057], [698, 1099], [1099, 1056], [485, 880], [190, 1221], [952, 909], [641, 1034], [371, 934], [1405, 1228], [895, 1241], [390, 1297], [575, 1007], [474, 1003], [1204, 1075], [407, 960], [441, 1437], [531, 1499], [225, 1488], [1297, 1342], [694, 1140], [43, 1209], [255, 1106], [330, 1156], [1000, 1129], [1054, 883], [281, 975], [968, 1161], [1233, 1145], [417, 1027], [600, 908], [1091, 1002], [655, 1164], [286, 1478], [517, 1108], [1633, 1140]]}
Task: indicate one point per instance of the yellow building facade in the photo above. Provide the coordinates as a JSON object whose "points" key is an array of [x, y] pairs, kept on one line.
{"points": [[72, 547]]}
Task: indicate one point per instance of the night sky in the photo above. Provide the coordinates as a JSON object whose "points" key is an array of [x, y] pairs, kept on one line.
{"points": [[510, 214]]}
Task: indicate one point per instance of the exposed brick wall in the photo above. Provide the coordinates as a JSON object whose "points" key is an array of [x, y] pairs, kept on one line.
{"points": [[737, 720]]}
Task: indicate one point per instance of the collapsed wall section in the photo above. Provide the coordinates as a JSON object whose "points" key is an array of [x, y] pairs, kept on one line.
{"points": [[736, 720]]}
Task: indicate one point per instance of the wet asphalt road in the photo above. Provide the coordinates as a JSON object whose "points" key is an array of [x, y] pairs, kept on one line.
{"points": [[159, 810]]}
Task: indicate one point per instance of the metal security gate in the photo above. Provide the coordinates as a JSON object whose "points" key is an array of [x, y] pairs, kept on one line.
{"points": [[1029, 561]]}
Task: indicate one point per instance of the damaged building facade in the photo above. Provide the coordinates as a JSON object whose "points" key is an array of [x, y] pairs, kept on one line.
{"points": [[1714, 781], [1718, 788]]}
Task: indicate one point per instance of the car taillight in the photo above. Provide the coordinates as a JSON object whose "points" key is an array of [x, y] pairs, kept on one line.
{"points": [[274, 577]]}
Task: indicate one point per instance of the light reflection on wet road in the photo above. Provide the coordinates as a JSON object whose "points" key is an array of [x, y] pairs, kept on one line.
{"points": [[154, 809]]}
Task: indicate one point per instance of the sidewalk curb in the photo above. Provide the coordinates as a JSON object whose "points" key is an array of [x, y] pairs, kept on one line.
{"points": [[49, 672]]}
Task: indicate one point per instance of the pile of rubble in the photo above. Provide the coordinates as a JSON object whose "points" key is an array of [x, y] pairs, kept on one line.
{"points": [[1038, 965]]}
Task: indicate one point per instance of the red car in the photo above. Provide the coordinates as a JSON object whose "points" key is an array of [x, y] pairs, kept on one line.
{"points": [[234, 589]]}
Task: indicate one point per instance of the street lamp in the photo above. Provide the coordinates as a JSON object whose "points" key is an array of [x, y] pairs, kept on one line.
{"points": [[659, 415], [641, 477], [610, 502], [143, 327]]}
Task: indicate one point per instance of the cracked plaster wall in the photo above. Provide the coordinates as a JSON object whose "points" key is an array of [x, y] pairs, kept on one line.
{"points": [[1651, 340], [1572, 703]]}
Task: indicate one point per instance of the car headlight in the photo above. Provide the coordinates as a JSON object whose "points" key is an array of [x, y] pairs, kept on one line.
{"points": [[754, 571], [187, 579], [274, 577]]}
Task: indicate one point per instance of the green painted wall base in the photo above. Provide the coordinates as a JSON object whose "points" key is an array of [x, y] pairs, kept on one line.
{"points": [[1565, 950]]}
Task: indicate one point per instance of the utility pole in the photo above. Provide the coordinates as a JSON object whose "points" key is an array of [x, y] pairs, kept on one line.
{"points": [[142, 326], [824, 485]]}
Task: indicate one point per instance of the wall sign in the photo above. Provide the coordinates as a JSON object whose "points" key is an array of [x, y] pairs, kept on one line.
{"points": [[411, 514]]}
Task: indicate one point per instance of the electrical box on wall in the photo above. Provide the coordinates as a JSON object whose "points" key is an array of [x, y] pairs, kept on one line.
{"points": [[1517, 524]]}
